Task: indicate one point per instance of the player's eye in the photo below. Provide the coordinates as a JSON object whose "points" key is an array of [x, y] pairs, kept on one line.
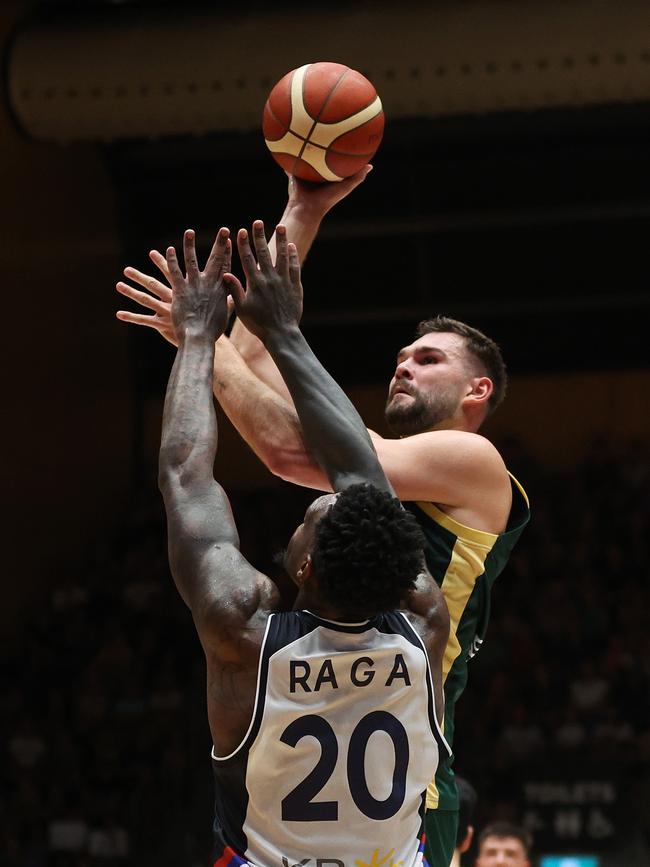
{"points": [[429, 359]]}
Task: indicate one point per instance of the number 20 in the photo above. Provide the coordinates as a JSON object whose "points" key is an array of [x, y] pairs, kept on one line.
{"points": [[299, 806]]}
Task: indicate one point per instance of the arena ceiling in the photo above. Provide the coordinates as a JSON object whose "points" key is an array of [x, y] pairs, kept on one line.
{"points": [[523, 207]]}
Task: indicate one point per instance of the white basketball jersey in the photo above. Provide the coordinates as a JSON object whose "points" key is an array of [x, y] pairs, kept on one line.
{"points": [[341, 748]]}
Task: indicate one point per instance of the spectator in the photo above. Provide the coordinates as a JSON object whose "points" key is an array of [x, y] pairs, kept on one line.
{"points": [[522, 736], [109, 842], [589, 689], [503, 844]]}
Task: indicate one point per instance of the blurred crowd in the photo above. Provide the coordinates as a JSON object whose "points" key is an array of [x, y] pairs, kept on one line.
{"points": [[561, 688], [103, 724]]}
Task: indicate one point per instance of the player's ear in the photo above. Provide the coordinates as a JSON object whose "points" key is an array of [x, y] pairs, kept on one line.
{"points": [[304, 570], [479, 389]]}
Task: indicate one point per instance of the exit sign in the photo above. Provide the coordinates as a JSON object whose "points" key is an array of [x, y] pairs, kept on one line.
{"points": [[569, 861]]}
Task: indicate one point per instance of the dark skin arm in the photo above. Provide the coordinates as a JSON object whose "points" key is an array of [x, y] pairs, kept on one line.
{"points": [[307, 205], [333, 431], [229, 600], [270, 307], [428, 613]]}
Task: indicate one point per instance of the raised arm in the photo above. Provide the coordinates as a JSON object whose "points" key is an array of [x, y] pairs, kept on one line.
{"points": [[265, 420], [332, 429], [222, 590], [307, 205], [461, 470], [451, 468], [271, 306]]}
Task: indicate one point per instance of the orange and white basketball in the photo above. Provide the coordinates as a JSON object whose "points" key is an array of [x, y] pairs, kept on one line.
{"points": [[323, 122]]}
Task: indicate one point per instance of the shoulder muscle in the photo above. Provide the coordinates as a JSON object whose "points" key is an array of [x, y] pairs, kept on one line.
{"points": [[451, 468], [230, 613]]}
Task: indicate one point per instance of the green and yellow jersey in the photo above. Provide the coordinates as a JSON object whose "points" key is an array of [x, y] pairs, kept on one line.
{"points": [[465, 563]]}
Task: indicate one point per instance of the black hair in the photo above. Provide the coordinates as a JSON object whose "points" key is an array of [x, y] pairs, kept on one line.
{"points": [[479, 345], [501, 830], [467, 799], [367, 551]]}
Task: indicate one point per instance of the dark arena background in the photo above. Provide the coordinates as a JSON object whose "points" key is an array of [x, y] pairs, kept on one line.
{"points": [[512, 190]]}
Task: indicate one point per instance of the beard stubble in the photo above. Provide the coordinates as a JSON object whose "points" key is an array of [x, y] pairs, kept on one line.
{"points": [[422, 413]]}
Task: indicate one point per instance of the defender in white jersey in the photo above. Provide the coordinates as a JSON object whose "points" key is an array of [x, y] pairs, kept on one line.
{"points": [[325, 719]]}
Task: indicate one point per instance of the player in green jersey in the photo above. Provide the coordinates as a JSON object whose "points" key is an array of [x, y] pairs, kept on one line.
{"points": [[446, 383]]}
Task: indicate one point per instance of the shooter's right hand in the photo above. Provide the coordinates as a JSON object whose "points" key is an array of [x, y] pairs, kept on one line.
{"points": [[315, 200]]}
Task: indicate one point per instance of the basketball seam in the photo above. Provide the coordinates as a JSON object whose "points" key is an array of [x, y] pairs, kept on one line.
{"points": [[330, 149], [329, 96], [280, 123], [345, 154], [322, 109]]}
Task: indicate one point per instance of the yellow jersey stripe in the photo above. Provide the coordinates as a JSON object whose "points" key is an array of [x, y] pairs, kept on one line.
{"points": [[479, 537], [521, 490], [467, 563]]}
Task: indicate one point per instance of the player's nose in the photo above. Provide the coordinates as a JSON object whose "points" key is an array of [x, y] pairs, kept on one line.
{"points": [[403, 370]]}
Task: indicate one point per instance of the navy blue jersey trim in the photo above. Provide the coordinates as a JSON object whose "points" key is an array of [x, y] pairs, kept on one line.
{"points": [[260, 694], [351, 628]]}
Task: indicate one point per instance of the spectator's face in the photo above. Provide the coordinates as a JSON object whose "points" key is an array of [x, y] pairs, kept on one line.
{"points": [[502, 852]]}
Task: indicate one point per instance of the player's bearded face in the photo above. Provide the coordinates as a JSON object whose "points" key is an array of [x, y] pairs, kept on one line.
{"points": [[416, 411]]}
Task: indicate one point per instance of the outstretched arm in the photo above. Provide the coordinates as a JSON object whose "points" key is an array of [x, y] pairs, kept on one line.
{"points": [[450, 468], [307, 204], [215, 581], [265, 420], [447, 467], [271, 306]]}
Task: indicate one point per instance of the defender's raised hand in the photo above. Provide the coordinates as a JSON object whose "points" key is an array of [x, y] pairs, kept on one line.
{"points": [[199, 300], [272, 300], [158, 297]]}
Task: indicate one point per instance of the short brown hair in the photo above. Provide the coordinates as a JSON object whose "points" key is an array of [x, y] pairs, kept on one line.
{"points": [[501, 830], [479, 345]]}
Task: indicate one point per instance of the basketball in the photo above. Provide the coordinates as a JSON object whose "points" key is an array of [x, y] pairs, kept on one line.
{"points": [[323, 122]]}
